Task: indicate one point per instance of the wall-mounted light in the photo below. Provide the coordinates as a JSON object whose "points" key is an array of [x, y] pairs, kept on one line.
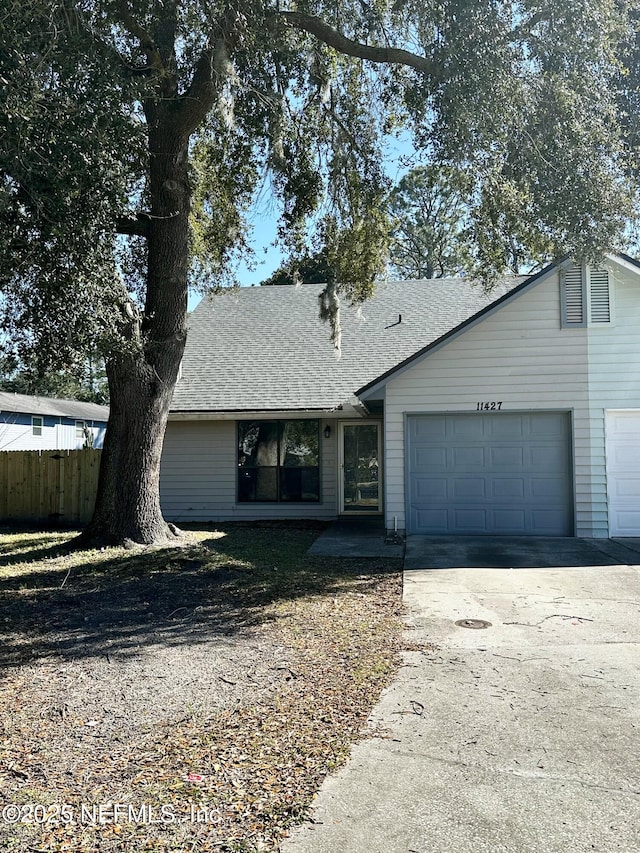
{"points": [[327, 431]]}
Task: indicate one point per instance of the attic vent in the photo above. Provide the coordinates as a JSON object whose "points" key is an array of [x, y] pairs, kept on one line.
{"points": [[573, 300], [599, 306]]}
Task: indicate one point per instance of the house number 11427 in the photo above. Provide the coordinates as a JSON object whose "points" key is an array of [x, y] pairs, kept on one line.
{"points": [[488, 407]]}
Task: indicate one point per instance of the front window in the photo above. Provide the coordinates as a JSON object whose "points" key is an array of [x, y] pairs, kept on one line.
{"points": [[79, 429], [36, 425], [279, 461]]}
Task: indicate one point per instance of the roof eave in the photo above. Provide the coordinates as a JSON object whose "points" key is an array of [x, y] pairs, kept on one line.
{"points": [[350, 409], [625, 261]]}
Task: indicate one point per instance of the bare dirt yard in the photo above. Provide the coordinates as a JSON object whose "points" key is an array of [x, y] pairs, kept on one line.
{"points": [[182, 699]]}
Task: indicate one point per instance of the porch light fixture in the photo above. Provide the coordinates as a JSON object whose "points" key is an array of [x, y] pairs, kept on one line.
{"points": [[327, 431]]}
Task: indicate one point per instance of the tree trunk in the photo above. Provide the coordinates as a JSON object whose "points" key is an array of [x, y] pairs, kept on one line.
{"points": [[128, 500], [143, 375]]}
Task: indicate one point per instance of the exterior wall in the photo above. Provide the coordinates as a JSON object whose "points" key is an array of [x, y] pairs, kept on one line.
{"points": [[198, 476], [614, 381], [57, 433], [518, 356]]}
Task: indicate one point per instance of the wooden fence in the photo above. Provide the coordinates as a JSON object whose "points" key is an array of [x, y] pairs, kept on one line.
{"points": [[58, 486]]}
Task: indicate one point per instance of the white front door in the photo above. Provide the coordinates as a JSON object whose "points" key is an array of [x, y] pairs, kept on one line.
{"points": [[623, 472], [361, 467]]}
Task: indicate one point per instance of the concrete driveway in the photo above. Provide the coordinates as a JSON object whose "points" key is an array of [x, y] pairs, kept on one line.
{"points": [[520, 736]]}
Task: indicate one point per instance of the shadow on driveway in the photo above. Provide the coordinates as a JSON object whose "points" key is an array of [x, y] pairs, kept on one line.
{"points": [[517, 552]]}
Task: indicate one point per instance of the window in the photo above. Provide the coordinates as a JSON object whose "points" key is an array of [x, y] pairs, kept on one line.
{"points": [[279, 461], [36, 425], [80, 429], [585, 297]]}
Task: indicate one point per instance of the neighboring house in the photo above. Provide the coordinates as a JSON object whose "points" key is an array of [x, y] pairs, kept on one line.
{"points": [[449, 411], [44, 423]]}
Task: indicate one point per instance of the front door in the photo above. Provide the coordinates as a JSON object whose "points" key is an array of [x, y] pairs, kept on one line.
{"points": [[360, 461]]}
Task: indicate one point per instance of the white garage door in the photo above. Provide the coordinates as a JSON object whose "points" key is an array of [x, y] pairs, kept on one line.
{"points": [[623, 472], [503, 473]]}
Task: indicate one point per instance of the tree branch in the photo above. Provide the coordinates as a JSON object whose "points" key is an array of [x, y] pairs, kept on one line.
{"points": [[74, 17], [138, 31], [331, 37], [138, 227], [201, 94], [525, 29]]}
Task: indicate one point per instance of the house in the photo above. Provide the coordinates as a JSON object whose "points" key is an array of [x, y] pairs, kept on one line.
{"points": [[43, 423], [449, 411]]}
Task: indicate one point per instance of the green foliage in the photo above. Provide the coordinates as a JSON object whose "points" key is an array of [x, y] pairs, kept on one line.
{"points": [[307, 269], [528, 109], [429, 211], [84, 381]]}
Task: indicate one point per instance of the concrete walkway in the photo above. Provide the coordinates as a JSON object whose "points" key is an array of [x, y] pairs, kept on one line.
{"points": [[356, 537], [521, 737]]}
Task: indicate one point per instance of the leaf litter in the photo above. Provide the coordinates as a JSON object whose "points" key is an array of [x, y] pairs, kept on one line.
{"points": [[210, 688]]}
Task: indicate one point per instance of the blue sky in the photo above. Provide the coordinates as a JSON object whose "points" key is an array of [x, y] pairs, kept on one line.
{"points": [[267, 257], [263, 217]]}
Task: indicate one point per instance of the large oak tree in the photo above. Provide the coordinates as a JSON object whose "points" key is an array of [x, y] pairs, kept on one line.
{"points": [[134, 134]]}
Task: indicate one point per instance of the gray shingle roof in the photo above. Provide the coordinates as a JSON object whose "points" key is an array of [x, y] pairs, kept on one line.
{"points": [[32, 405], [264, 348]]}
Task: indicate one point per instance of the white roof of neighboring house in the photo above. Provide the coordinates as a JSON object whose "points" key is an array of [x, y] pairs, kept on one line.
{"points": [[31, 405]]}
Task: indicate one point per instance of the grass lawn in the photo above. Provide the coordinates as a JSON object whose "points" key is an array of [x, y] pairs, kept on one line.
{"points": [[182, 699]]}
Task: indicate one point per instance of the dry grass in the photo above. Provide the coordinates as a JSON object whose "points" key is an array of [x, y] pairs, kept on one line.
{"points": [[222, 681]]}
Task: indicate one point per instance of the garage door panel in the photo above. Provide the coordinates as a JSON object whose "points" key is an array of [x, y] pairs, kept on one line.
{"points": [[431, 487], [507, 488], [625, 487], [547, 456], [552, 489], [470, 520], [507, 458], [549, 425], [468, 457], [547, 522], [470, 488], [431, 519], [624, 456], [509, 520], [623, 472], [471, 429], [509, 427], [627, 523], [497, 478], [430, 458], [428, 429]]}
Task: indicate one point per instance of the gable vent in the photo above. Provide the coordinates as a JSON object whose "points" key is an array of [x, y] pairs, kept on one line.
{"points": [[599, 304], [573, 297]]}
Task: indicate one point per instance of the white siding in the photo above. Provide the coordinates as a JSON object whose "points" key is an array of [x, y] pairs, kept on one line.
{"points": [[614, 379], [59, 436], [519, 356], [199, 470], [20, 437]]}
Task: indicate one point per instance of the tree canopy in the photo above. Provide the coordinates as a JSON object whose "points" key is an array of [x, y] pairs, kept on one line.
{"points": [[84, 381], [134, 135], [430, 216]]}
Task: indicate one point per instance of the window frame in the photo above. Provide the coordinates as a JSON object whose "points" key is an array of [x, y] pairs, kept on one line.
{"points": [[37, 426], [83, 425], [278, 501]]}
